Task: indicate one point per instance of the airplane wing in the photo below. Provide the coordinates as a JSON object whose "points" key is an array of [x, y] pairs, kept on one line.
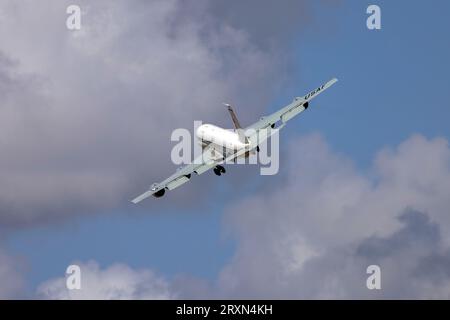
{"points": [[201, 164], [290, 111]]}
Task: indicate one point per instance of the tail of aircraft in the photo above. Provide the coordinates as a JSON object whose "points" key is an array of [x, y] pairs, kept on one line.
{"points": [[237, 125]]}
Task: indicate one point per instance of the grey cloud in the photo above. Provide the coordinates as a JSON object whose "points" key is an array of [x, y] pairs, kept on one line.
{"points": [[12, 281], [315, 235], [85, 120], [268, 23], [417, 232], [435, 267], [408, 260], [86, 117]]}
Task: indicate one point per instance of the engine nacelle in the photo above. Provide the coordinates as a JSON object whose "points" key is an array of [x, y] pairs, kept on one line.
{"points": [[159, 193]]}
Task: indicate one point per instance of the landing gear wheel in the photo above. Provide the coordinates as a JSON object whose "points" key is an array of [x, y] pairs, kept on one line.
{"points": [[257, 148], [221, 169], [217, 171]]}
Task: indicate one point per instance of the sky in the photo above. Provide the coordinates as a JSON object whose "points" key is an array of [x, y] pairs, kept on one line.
{"points": [[85, 124]]}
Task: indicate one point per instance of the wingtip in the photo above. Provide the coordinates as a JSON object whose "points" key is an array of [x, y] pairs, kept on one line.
{"points": [[331, 82], [142, 197]]}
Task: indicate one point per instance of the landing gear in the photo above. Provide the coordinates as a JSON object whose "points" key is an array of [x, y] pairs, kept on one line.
{"points": [[218, 170], [257, 148]]}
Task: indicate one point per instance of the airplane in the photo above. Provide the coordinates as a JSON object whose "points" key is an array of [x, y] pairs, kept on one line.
{"points": [[221, 145]]}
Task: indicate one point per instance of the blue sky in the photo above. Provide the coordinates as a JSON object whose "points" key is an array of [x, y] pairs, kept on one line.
{"points": [[393, 83]]}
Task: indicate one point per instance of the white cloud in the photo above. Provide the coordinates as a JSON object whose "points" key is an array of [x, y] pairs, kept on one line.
{"points": [[303, 237], [117, 281]]}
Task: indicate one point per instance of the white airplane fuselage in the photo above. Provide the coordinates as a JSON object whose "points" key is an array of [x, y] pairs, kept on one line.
{"points": [[208, 133]]}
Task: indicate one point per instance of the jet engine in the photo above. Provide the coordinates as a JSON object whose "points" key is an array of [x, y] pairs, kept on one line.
{"points": [[159, 193]]}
